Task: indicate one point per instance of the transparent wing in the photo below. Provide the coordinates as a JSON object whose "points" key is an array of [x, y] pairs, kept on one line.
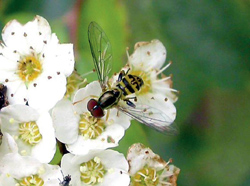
{"points": [[101, 52], [151, 117]]}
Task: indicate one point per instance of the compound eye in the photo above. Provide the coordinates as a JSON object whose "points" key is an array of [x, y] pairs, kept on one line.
{"points": [[91, 104], [97, 112]]}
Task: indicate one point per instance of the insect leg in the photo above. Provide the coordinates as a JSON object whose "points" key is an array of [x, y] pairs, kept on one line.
{"points": [[121, 75]]}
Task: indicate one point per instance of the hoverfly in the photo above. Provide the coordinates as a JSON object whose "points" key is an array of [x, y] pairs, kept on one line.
{"points": [[127, 84], [3, 97]]}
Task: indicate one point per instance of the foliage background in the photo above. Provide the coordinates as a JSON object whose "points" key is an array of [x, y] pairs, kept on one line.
{"points": [[208, 42]]}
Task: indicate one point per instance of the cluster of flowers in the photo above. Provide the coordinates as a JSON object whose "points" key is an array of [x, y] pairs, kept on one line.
{"points": [[39, 100]]}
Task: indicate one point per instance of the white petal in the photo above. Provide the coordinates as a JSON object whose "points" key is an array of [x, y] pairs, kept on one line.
{"points": [[20, 113], [113, 159], [71, 165], [5, 179], [16, 92], [83, 95], [65, 122], [148, 55], [46, 148], [37, 33], [46, 91], [159, 103], [139, 156], [65, 58], [83, 146], [13, 38], [19, 166], [8, 145]]}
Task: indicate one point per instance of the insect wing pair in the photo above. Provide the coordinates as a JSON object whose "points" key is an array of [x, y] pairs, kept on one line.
{"points": [[102, 57]]}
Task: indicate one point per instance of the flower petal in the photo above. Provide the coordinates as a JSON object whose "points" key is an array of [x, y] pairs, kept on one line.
{"points": [[44, 151], [65, 122], [46, 90], [148, 55]]}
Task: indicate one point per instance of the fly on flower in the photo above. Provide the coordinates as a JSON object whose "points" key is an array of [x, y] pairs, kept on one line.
{"points": [[127, 84], [66, 180]]}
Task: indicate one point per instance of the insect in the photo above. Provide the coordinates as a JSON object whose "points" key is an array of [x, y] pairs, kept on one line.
{"points": [[127, 84], [66, 180], [3, 97]]}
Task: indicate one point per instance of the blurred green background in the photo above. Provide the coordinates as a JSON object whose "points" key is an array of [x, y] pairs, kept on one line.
{"points": [[209, 44]]}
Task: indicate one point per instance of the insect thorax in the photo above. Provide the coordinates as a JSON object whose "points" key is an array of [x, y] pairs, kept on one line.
{"points": [[109, 98], [130, 84]]}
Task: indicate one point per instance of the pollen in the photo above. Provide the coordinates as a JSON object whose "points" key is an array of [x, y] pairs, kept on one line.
{"points": [[90, 127], [29, 68], [31, 180], [92, 172], [146, 88], [146, 176], [29, 133]]}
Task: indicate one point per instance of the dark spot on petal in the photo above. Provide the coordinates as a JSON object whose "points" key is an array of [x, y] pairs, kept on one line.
{"points": [[6, 80], [24, 99], [24, 34], [45, 42], [49, 77], [15, 51], [12, 33], [135, 99], [165, 99], [58, 73], [1, 54], [152, 98], [146, 152], [40, 33], [12, 95], [35, 84], [148, 53], [31, 48], [164, 53], [43, 56], [120, 172]]}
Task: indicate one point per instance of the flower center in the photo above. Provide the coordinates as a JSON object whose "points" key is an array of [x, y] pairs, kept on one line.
{"points": [[92, 172], [29, 133], [90, 127], [145, 177], [29, 68], [33, 180], [146, 81]]}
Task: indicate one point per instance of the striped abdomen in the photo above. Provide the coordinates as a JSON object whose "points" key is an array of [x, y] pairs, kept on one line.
{"points": [[130, 84]]}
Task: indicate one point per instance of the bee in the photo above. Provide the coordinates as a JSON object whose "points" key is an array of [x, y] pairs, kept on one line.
{"points": [[3, 97], [127, 84]]}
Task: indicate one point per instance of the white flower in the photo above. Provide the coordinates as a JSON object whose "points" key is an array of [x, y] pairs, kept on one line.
{"points": [[33, 133], [104, 168], [19, 170], [80, 131], [155, 96], [33, 65], [146, 62], [147, 167]]}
